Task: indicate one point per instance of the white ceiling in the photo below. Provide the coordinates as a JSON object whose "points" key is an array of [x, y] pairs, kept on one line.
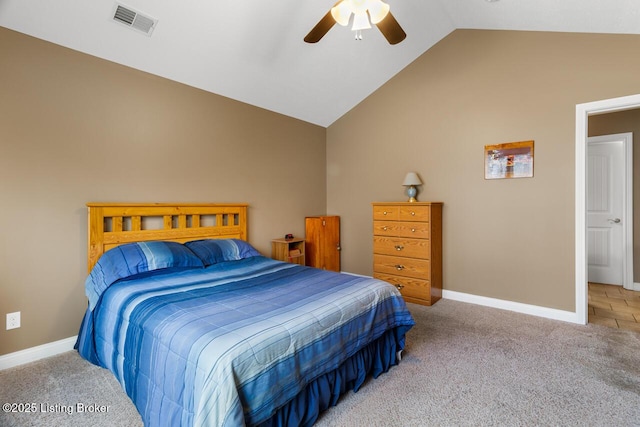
{"points": [[253, 50]]}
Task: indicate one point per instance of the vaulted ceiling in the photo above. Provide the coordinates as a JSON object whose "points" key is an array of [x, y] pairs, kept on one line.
{"points": [[253, 50]]}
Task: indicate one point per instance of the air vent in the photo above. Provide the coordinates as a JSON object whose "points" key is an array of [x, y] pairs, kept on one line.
{"points": [[133, 19]]}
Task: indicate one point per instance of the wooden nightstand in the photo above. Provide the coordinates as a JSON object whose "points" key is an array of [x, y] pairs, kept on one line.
{"points": [[288, 250]]}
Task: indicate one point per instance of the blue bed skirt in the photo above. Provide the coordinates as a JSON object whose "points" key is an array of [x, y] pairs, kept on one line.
{"points": [[373, 359]]}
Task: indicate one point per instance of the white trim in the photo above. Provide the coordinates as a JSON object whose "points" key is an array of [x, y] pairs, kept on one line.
{"points": [[582, 117], [628, 212], [534, 310], [581, 301], [36, 353]]}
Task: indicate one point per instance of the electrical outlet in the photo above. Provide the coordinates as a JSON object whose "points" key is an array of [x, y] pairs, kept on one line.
{"points": [[13, 320]]}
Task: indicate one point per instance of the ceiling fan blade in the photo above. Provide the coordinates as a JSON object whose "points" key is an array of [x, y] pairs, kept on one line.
{"points": [[321, 28], [391, 30]]}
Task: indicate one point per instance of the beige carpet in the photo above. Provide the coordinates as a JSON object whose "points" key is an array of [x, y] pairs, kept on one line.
{"points": [[464, 365]]}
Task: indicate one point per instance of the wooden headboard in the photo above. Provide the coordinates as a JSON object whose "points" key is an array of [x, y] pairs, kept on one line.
{"points": [[113, 224]]}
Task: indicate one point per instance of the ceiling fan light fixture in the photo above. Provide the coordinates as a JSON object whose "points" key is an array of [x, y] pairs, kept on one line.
{"points": [[366, 13], [378, 10], [360, 21]]}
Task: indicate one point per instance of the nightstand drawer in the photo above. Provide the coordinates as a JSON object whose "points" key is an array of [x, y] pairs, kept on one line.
{"points": [[411, 289], [414, 213], [403, 247], [385, 213], [400, 266], [418, 230]]}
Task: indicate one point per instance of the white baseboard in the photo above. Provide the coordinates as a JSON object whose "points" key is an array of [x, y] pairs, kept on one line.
{"points": [[36, 353], [534, 310]]}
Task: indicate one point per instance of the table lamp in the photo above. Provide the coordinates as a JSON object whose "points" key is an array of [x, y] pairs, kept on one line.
{"points": [[410, 181]]}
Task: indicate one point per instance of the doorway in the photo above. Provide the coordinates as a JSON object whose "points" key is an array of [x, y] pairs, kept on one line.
{"points": [[583, 111]]}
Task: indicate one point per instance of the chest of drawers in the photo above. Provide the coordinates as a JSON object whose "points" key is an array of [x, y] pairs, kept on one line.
{"points": [[407, 248]]}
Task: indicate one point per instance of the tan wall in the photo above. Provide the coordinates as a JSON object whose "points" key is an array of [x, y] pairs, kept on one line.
{"points": [[74, 128], [505, 239], [622, 122]]}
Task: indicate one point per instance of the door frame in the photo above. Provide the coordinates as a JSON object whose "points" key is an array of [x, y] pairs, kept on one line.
{"points": [[583, 111], [627, 205]]}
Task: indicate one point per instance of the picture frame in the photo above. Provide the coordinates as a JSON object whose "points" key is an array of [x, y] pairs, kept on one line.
{"points": [[508, 160]]}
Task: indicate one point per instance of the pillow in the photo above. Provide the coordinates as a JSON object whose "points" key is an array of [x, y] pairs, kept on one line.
{"points": [[135, 258], [212, 251]]}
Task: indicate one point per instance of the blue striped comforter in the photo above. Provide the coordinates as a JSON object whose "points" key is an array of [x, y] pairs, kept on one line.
{"points": [[231, 343]]}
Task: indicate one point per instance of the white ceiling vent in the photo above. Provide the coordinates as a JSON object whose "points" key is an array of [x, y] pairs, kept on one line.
{"points": [[133, 19]]}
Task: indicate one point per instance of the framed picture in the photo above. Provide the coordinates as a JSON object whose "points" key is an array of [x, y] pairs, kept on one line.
{"points": [[509, 160]]}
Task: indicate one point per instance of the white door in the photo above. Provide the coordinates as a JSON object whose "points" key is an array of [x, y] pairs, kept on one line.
{"points": [[605, 207]]}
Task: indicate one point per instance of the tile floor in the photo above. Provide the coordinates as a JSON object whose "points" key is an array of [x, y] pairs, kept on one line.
{"points": [[614, 306]]}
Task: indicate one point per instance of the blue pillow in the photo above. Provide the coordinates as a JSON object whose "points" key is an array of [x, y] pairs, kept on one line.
{"points": [[213, 251], [135, 258]]}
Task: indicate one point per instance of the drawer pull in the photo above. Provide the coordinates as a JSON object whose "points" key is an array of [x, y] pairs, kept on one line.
{"points": [[384, 213], [399, 287], [384, 228], [413, 230], [399, 267], [399, 247], [413, 213]]}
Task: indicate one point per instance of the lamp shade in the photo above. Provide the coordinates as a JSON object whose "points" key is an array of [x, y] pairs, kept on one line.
{"points": [[412, 178], [342, 12], [377, 10]]}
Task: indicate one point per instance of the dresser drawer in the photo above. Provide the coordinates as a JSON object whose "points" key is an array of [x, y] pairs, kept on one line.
{"points": [[400, 266], [418, 230], [395, 246], [410, 288], [386, 213], [414, 213]]}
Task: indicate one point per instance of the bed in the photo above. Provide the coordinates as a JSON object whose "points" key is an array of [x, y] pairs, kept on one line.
{"points": [[200, 329]]}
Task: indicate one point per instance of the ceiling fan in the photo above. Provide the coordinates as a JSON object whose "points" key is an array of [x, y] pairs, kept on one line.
{"points": [[365, 13]]}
